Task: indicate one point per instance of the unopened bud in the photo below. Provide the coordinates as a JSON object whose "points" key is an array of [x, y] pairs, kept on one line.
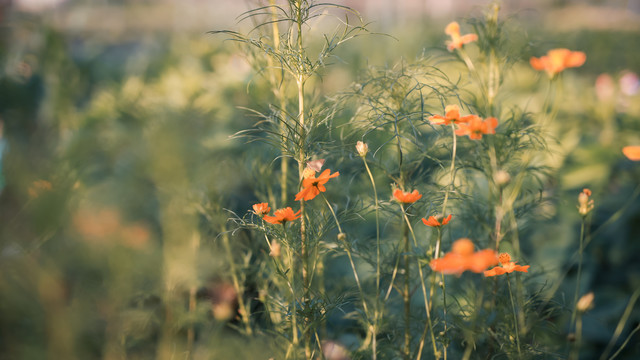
{"points": [[585, 303], [275, 249], [585, 205], [362, 148], [342, 236], [501, 178]]}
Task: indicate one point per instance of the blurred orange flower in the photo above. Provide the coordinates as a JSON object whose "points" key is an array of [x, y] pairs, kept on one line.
{"points": [[38, 187], [463, 258], [632, 152], [434, 222], [282, 216], [453, 30], [312, 185], [261, 209], [452, 114], [557, 60], [476, 127], [506, 266], [405, 197]]}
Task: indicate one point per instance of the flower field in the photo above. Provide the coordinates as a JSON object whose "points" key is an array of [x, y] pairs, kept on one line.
{"points": [[303, 180]]}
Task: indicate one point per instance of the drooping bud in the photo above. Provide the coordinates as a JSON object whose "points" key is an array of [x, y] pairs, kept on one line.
{"points": [[362, 148]]}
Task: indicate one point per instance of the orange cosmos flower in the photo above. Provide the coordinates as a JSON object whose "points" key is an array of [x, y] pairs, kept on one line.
{"points": [[463, 258], [261, 209], [453, 30], [506, 266], [406, 197], [557, 60], [282, 216], [452, 114], [476, 127], [434, 222], [312, 185], [632, 152]]}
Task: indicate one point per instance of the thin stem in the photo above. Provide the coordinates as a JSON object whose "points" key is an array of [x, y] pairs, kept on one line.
{"points": [[406, 293], [515, 316], [244, 310], [452, 172], [625, 342], [575, 351], [377, 302], [577, 291], [444, 316], [292, 281], [300, 81], [620, 326], [348, 250], [424, 293]]}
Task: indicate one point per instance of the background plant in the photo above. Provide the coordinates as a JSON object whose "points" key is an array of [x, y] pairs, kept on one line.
{"points": [[114, 228]]}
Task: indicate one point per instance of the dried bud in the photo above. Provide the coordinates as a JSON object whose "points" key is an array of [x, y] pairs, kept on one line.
{"points": [[275, 249], [315, 165], [362, 148], [334, 351], [585, 205], [585, 303], [501, 178]]}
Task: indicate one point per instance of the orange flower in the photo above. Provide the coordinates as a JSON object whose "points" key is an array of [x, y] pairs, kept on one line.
{"points": [[453, 30], [434, 222], [506, 266], [261, 209], [405, 197], [312, 185], [557, 60], [282, 216], [476, 127], [463, 258], [632, 152], [452, 114]]}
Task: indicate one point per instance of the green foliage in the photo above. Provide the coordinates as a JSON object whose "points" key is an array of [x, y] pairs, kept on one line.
{"points": [[128, 172]]}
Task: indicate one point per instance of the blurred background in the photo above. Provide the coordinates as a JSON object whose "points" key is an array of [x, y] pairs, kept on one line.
{"points": [[117, 170]]}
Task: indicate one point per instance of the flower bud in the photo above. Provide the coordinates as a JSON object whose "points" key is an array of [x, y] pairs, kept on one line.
{"points": [[585, 205], [585, 303], [342, 236], [501, 178], [362, 148], [275, 249]]}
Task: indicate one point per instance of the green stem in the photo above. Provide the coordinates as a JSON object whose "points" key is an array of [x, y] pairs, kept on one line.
{"points": [[377, 302], [577, 291], [424, 292], [515, 316], [575, 351], [349, 255], [244, 310], [292, 282], [620, 326]]}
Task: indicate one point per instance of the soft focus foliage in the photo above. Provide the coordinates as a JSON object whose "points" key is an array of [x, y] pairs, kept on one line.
{"points": [[138, 168]]}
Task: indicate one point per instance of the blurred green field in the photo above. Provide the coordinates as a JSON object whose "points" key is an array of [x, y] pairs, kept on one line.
{"points": [[118, 172]]}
